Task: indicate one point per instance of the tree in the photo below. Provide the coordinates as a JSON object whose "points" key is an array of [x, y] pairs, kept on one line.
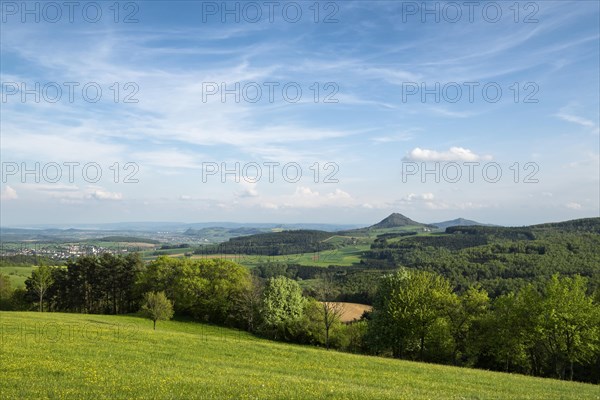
{"points": [[249, 304], [205, 289], [331, 311], [463, 311], [407, 307], [282, 306], [569, 324], [506, 331], [389, 328], [117, 285], [310, 326], [210, 289], [157, 307], [161, 275], [39, 282]]}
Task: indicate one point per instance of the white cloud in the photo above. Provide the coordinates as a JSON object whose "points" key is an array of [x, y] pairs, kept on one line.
{"points": [[305, 192], [569, 114], [248, 190], [576, 119], [106, 195], [573, 206], [427, 196], [423, 196], [339, 194], [8, 194], [453, 154]]}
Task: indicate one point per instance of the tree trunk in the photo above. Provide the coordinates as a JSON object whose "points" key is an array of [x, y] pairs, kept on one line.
{"points": [[41, 303], [327, 337], [571, 370], [154, 324], [422, 347], [396, 352], [454, 356]]}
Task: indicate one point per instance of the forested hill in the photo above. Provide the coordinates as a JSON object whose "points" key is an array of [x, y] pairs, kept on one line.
{"points": [[396, 220], [274, 243], [575, 225], [500, 259], [590, 225]]}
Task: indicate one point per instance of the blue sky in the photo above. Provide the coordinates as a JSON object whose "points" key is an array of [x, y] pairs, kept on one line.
{"points": [[376, 66]]}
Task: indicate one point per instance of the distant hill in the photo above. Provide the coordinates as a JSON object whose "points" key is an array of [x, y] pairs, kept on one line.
{"points": [[126, 239], [394, 220], [459, 222], [575, 225], [393, 223], [225, 231], [180, 227], [397, 220]]}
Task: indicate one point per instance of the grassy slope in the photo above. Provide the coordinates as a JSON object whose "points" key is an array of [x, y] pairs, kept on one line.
{"points": [[17, 274], [91, 356], [344, 256]]}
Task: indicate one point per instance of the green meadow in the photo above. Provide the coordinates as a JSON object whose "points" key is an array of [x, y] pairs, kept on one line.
{"points": [[17, 274], [76, 356]]}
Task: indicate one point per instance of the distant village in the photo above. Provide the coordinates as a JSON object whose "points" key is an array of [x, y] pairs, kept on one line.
{"points": [[63, 252]]}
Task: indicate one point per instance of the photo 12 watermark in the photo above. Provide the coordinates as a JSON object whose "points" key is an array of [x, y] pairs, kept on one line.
{"points": [[58, 332], [271, 92], [68, 172], [469, 172], [454, 92], [69, 92], [269, 171], [452, 12], [52, 12], [252, 12]]}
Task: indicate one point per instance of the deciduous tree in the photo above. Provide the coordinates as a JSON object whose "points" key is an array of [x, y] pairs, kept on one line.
{"points": [[157, 307], [282, 306], [39, 282]]}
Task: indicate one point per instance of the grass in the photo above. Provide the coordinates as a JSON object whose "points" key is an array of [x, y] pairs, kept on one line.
{"points": [[344, 256], [17, 274], [74, 356]]}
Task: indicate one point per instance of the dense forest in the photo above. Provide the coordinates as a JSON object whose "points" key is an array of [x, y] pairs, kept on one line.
{"points": [[499, 259], [273, 244]]}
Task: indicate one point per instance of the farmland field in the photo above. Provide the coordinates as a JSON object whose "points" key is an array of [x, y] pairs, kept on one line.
{"points": [[55, 356], [344, 256]]}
